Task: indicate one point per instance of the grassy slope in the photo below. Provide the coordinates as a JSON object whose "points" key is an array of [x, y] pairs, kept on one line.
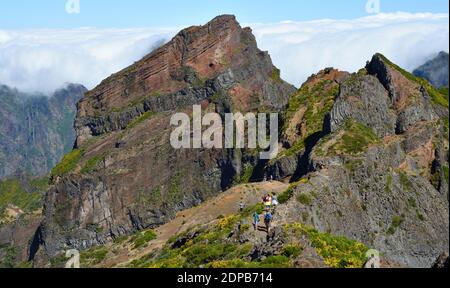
{"points": [[25, 196], [318, 101]]}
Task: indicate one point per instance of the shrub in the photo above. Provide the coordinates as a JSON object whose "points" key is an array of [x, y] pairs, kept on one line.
{"points": [[405, 181], [121, 239], [68, 163], [141, 239], [9, 258], [276, 75], [286, 195], [337, 251], [92, 164], [247, 175], [292, 250], [175, 192], [304, 199], [93, 256], [446, 175], [12, 192], [259, 208], [396, 222], [140, 119], [279, 261], [355, 140], [389, 183]]}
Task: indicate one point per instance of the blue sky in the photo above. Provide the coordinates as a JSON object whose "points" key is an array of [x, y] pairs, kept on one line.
{"points": [[144, 13]]}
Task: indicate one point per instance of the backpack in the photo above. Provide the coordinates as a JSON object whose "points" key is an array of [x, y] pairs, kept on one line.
{"points": [[267, 217]]}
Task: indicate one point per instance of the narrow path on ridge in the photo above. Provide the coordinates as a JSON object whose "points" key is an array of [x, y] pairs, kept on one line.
{"points": [[225, 204]]}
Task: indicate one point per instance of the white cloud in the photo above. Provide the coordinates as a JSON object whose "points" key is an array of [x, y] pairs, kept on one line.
{"points": [[300, 49], [42, 60]]}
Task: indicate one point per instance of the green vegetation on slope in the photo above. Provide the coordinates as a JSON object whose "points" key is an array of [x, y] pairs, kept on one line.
{"points": [[213, 247], [446, 175], [9, 258], [206, 247], [92, 164], [246, 175], [287, 195], [337, 251], [439, 97], [355, 139], [276, 75], [68, 163], [396, 222], [318, 101], [140, 119], [13, 192], [142, 238], [305, 199]]}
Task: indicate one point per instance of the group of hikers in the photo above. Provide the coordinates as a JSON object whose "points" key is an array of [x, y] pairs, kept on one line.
{"points": [[270, 202]]}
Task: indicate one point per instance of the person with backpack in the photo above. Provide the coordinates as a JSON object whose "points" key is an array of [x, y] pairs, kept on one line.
{"points": [[275, 202], [268, 202], [256, 220], [267, 220]]}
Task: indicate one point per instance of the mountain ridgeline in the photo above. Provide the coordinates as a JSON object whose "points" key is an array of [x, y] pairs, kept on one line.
{"points": [[365, 155], [435, 70]]}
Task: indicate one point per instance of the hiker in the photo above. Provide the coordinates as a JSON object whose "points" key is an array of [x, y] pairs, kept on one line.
{"points": [[241, 206], [268, 202], [275, 200], [267, 220], [255, 220]]}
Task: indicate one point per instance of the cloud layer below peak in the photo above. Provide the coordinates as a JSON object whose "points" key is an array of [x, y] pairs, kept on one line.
{"points": [[300, 49], [43, 60]]}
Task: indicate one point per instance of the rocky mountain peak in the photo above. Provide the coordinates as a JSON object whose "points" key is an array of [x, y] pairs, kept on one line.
{"points": [[391, 78], [193, 66], [194, 53], [330, 74]]}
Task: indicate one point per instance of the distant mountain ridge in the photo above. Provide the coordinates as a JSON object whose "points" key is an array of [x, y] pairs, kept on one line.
{"points": [[435, 70], [36, 130]]}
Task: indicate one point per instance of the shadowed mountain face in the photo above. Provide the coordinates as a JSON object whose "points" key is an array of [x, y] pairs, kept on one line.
{"points": [[366, 153], [36, 130], [435, 70]]}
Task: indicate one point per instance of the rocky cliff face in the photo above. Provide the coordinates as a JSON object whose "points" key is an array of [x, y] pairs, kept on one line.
{"points": [[124, 175], [36, 130], [219, 59], [435, 70], [378, 172], [20, 216]]}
